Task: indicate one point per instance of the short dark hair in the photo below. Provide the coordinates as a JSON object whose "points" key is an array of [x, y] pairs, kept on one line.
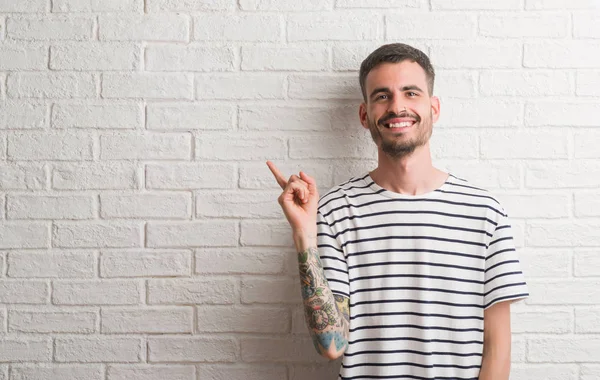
{"points": [[395, 53]]}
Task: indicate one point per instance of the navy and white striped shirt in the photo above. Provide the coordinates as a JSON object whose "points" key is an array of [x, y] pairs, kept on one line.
{"points": [[419, 272]]}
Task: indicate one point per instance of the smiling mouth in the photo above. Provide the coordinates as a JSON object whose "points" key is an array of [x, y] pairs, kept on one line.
{"points": [[403, 124]]}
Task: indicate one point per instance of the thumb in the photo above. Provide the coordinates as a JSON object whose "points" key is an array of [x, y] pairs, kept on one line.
{"points": [[312, 184]]}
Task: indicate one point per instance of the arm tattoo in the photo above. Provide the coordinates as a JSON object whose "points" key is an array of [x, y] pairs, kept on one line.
{"points": [[327, 315]]}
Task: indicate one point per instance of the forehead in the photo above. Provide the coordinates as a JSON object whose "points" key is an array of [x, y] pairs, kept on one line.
{"points": [[395, 75]]}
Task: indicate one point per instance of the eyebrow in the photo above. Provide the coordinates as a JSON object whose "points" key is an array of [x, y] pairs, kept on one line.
{"points": [[387, 89]]}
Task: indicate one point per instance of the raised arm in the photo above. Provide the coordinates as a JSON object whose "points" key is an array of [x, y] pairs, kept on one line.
{"points": [[326, 315]]}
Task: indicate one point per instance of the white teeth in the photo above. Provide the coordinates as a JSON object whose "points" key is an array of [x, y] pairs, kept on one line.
{"points": [[400, 125]]}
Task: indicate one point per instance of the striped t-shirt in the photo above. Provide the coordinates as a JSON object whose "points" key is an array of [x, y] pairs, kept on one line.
{"points": [[419, 272]]}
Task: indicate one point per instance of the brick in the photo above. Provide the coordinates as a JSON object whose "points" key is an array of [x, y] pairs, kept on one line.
{"points": [[297, 118], [587, 204], [97, 234], [459, 55], [188, 349], [51, 86], [328, 370], [97, 6], [489, 176], [155, 206], [152, 27], [147, 86], [101, 292], [518, 350], [57, 371], [587, 320], [563, 292], [238, 204], [224, 86], [98, 349], [511, 144], [481, 113], [279, 350], [475, 4], [51, 264], [271, 320], [185, 176], [235, 27], [95, 56], [587, 83], [451, 144], [543, 321], [324, 87], [538, 83], [331, 147], [10, 6], [192, 234], [19, 56], [236, 372], [298, 321], [285, 5], [586, 263], [22, 115], [146, 146], [242, 261], [147, 320], [19, 349], [150, 372], [190, 5], [280, 290], [107, 115], [580, 233], [564, 350], [24, 235], [582, 174], [258, 233], [192, 291], [23, 292], [544, 371], [145, 263], [585, 25], [349, 56], [239, 147], [561, 4], [189, 58], [190, 117], [285, 58], [21, 321], [419, 4], [447, 26], [22, 177], [562, 113], [536, 205], [337, 26], [94, 176], [456, 84], [258, 176], [589, 371], [50, 146], [50, 28], [562, 55], [527, 25]]}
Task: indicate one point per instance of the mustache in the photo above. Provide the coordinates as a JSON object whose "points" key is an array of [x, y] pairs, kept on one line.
{"points": [[400, 115]]}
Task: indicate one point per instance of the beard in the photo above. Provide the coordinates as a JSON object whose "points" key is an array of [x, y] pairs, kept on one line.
{"points": [[398, 146]]}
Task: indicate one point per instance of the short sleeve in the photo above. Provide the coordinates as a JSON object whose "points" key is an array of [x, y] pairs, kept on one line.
{"points": [[332, 256], [504, 279]]}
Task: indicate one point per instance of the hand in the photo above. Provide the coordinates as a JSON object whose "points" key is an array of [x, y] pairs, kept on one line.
{"points": [[299, 202]]}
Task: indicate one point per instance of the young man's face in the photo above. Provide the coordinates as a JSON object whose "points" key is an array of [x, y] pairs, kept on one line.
{"points": [[399, 111]]}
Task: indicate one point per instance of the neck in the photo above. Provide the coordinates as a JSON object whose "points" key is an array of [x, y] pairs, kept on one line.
{"points": [[413, 174]]}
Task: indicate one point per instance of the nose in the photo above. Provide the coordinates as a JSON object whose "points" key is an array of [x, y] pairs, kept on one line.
{"points": [[396, 107]]}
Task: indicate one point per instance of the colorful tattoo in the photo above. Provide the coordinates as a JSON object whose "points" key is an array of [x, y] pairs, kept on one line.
{"points": [[327, 315]]}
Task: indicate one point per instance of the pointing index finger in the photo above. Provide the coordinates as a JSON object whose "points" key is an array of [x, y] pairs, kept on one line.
{"points": [[277, 174]]}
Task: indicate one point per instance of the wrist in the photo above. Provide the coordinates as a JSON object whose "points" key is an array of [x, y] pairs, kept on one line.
{"points": [[304, 240]]}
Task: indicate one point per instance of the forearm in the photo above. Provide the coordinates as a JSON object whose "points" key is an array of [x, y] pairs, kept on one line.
{"points": [[495, 365], [327, 324]]}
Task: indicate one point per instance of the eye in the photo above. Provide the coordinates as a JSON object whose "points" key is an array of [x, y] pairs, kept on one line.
{"points": [[412, 94], [381, 97]]}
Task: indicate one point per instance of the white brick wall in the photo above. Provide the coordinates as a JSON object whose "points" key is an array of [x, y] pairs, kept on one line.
{"points": [[140, 236]]}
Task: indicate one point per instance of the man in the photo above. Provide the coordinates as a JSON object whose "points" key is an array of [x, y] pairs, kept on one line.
{"points": [[407, 271]]}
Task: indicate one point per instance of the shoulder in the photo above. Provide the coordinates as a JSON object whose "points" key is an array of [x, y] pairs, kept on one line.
{"points": [[464, 190], [341, 193]]}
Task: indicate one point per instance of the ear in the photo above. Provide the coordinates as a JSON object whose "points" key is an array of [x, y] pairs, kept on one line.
{"points": [[362, 114], [435, 108]]}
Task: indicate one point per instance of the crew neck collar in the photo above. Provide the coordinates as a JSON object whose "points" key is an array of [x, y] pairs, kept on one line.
{"points": [[391, 194]]}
